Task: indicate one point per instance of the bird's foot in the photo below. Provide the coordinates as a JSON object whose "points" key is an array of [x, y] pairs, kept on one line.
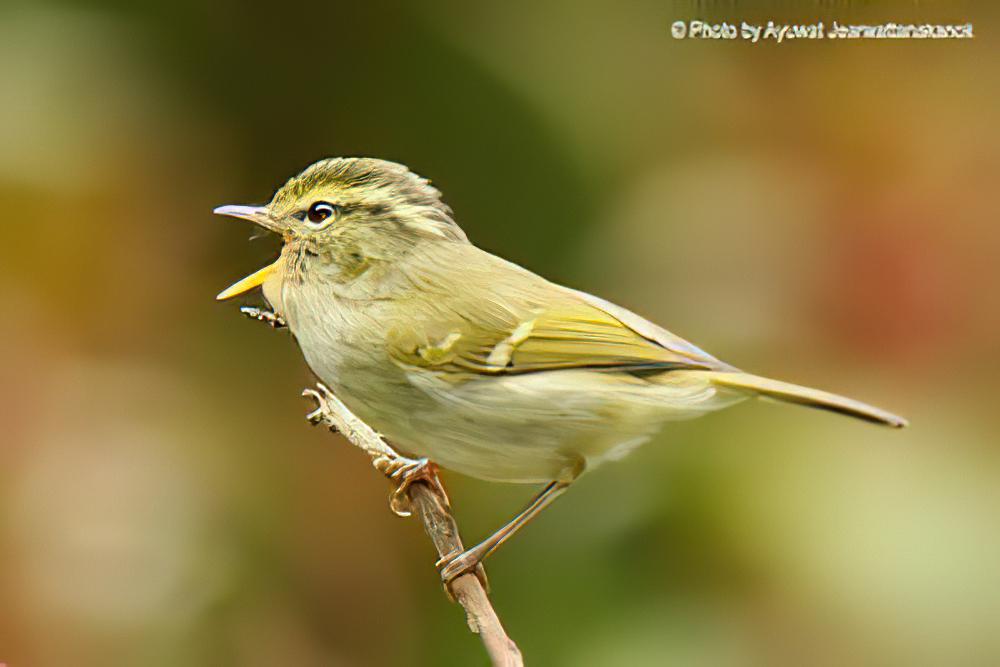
{"points": [[406, 472], [455, 564], [274, 320]]}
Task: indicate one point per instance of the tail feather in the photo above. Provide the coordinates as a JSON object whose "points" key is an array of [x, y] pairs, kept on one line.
{"points": [[813, 398]]}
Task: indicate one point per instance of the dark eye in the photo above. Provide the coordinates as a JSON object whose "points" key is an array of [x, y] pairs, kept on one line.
{"points": [[319, 212]]}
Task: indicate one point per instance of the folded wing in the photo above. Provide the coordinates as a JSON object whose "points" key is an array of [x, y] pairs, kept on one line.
{"points": [[571, 330]]}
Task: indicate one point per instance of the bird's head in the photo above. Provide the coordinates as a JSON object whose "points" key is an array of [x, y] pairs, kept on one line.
{"points": [[350, 213]]}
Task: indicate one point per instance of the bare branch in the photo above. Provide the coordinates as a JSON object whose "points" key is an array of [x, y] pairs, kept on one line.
{"points": [[427, 500]]}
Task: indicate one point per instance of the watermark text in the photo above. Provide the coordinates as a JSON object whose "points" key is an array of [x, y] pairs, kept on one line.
{"points": [[782, 32]]}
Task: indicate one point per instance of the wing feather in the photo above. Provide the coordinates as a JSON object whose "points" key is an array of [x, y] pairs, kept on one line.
{"points": [[569, 334]]}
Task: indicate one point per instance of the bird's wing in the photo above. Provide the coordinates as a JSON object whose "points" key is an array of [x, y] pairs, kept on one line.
{"points": [[565, 330], [654, 332]]}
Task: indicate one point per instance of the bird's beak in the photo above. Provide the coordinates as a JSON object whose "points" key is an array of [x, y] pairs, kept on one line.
{"points": [[261, 216], [256, 214], [256, 278]]}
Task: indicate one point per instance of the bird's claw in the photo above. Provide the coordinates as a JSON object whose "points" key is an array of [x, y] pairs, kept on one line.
{"points": [[455, 564], [405, 472], [321, 395], [274, 320]]}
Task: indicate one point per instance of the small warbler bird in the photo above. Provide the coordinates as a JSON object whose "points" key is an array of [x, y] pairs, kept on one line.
{"points": [[467, 360]]}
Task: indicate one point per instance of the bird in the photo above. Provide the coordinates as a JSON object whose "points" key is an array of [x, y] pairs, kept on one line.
{"points": [[470, 362]]}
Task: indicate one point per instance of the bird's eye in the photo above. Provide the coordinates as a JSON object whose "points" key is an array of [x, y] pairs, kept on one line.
{"points": [[320, 212]]}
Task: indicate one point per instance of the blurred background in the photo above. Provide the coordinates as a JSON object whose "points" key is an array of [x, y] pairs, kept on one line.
{"points": [[820, 212]]}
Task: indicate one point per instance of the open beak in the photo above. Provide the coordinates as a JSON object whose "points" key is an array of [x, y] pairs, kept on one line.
{"points": [[261, 216]]}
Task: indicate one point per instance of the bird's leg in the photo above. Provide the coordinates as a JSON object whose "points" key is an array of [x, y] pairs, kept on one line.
{"points": [[457, 564], [271, 318], [405, 472]]}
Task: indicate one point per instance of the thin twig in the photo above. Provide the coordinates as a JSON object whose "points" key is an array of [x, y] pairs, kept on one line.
{"points": [[433, 510]]}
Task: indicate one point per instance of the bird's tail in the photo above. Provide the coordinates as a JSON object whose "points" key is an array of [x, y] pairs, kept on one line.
{"points": [[813, 398]]}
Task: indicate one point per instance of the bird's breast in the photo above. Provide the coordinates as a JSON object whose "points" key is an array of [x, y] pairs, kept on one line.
{"points": [[342, 340]]}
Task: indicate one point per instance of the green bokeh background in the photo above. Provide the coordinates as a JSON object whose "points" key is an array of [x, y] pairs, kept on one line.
{"points": [[822, 212]]}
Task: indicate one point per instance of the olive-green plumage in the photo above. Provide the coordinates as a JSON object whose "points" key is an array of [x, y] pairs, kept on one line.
{"points": [[472, 361]]}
